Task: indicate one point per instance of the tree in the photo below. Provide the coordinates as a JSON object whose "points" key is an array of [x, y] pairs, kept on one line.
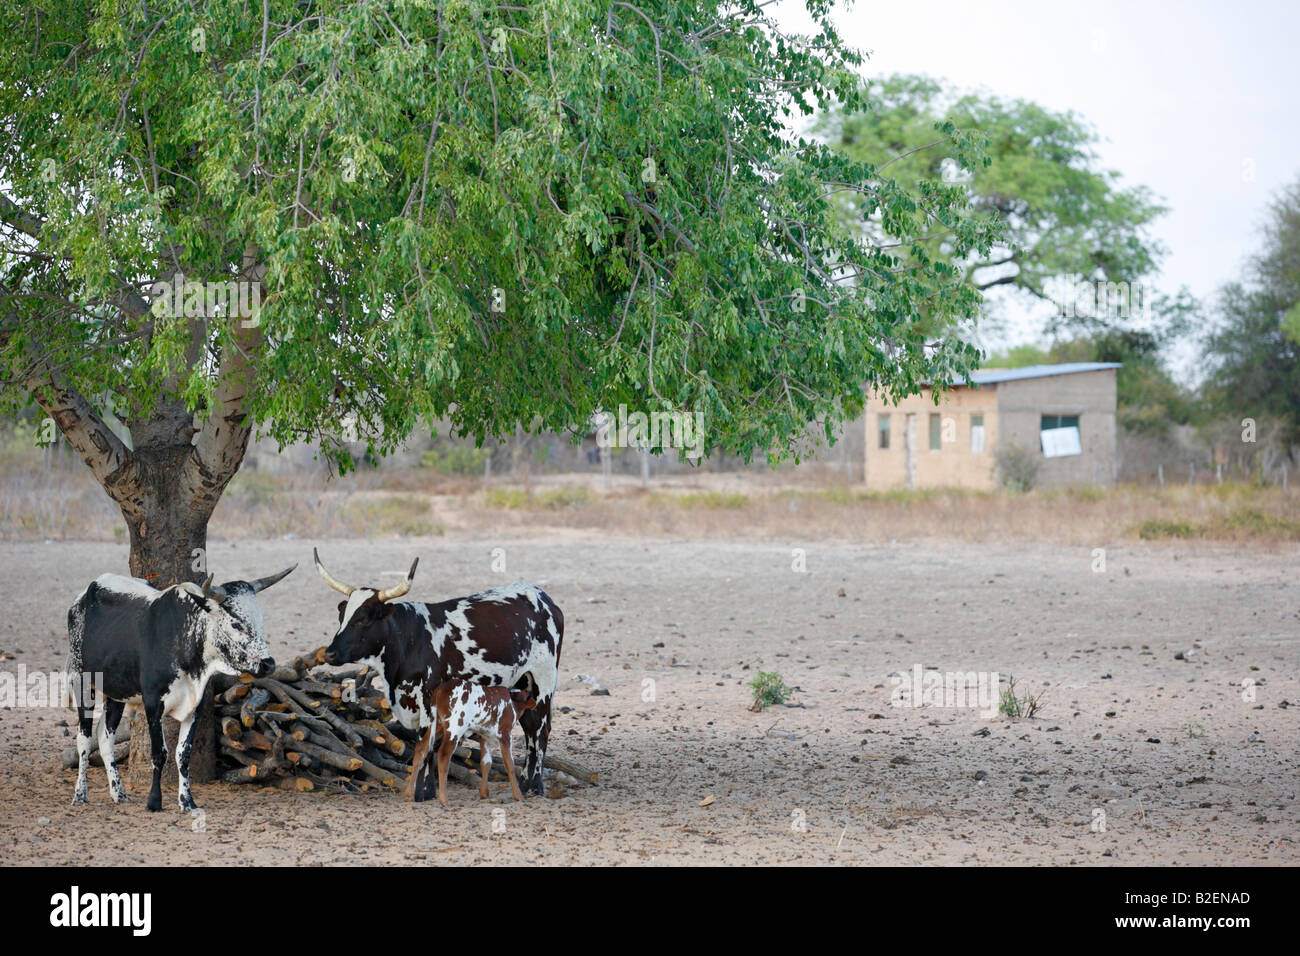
{"points": [[1148, 397], [340, 219], [1253, 351], [1064, 216]]}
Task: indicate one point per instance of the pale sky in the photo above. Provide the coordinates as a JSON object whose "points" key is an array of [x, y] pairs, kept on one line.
{"points": [[1198, 101]]}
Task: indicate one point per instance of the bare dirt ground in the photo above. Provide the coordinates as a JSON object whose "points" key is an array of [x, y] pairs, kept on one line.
{"points": [[1168, 753]]}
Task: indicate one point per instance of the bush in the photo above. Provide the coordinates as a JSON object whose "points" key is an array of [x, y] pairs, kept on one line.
{"points": [[448, 459], [556, 499], [1154, 529], [769, 689], [1017, 467]]}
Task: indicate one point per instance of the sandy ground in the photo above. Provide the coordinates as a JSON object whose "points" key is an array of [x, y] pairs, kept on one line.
{"points": [[1165, 752]]}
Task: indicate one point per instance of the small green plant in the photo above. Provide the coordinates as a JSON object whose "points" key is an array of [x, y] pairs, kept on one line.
{"points": [[1195, 730], [1017, 707], [769, 689]]}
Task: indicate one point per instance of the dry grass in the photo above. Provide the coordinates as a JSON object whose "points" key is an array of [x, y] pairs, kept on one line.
{"points": [[1239, 514], [41, 502]]}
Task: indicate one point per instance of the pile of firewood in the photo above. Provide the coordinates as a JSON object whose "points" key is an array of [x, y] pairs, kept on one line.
{"points": [[306, 727], [303, 727]]}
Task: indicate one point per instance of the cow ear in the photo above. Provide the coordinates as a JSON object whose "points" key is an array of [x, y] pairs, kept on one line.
{"points": [[343, 606]]}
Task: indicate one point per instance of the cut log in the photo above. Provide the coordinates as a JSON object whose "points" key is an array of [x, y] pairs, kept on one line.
{"points": [[254, 702], [241, 775], [574, 769], [120, 752], [328, 757], [232, 694]]}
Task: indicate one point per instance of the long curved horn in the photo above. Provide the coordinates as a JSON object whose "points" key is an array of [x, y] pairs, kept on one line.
{"points": [[207, 587], [389, 593], [325, 575], [261, 584]]}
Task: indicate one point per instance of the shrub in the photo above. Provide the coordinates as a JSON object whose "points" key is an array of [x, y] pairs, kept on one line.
{"points": [[1017, 467], [448, 459], [1155, 528], [769, 689]]}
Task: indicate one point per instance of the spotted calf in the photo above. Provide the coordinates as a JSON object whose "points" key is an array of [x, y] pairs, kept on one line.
{"points": [[462, 708]]}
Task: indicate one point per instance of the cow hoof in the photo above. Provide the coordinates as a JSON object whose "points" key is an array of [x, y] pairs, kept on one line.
{"points": [[187, 806], [154, 806], [121, 798], [79, 798]]}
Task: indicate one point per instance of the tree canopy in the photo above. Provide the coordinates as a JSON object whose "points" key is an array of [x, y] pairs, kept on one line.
{"points": [[1253, 350], [492, 214], [1064, 215]]}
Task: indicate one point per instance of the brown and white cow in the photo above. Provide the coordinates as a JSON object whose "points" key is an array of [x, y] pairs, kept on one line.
{"points": [[504, 637], [462, 709]]}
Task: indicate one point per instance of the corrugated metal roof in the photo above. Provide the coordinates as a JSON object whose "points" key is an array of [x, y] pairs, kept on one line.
{"points": [[992, 376]]}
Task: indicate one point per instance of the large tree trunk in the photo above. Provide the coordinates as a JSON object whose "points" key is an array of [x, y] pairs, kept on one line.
{"points": [[169, 476], [168, 531]]}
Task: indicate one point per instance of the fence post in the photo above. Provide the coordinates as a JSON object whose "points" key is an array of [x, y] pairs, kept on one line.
{"points": [[1284, 476], [645, 468], [606, 466], [1160, 473], [1218, 472], [1191, 474]]}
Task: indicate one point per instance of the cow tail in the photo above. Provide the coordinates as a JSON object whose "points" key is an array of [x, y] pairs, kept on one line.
{"points": [[72, 679]]}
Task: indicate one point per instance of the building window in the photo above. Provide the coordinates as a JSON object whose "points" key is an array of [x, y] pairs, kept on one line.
{"points": [[936, 432], [882, 427], [977, 434], [1059, 436]]}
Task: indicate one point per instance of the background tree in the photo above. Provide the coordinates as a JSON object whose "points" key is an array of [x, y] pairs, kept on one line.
{"points": [[1149, 399], [499, 216], [1064, 215], [1253, 351]]}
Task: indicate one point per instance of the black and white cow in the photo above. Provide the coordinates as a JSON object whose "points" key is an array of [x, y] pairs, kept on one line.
{"points": [[157, 649], [508, 636]]}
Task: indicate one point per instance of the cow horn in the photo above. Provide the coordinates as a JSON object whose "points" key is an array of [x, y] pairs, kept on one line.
{"points": [[261, 584], [328, 578], [207, 585], [395, 592]]}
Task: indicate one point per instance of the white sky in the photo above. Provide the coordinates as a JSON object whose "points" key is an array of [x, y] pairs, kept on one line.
{"points": [[1198, 101]]}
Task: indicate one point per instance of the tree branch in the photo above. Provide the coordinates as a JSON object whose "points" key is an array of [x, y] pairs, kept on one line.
{"points": [[103, 452], [223, 439]]}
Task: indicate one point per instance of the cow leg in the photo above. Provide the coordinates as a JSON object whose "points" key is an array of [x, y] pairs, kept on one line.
{"points": [[510, 767], [414, 790], [107, 731], [484, 766], [536, 724], [85, 725], [184, 739], [157, 752], [449, 744]]}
